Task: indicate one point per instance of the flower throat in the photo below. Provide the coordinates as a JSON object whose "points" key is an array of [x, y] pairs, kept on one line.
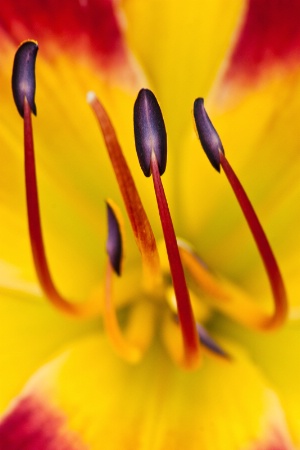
{"points": [[151, 145]]}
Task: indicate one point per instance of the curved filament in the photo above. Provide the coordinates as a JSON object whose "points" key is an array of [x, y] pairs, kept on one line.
{"points": [[35, 231], [275, 278]]}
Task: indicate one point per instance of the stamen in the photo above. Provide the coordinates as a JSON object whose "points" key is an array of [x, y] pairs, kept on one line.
{"points": [[185, 313], [23, 77], [114, 249], [23, 90], [270, 263], [150, 132], [114, 240], [210, 344], [213, 148], [208, 136], [139, 221]]}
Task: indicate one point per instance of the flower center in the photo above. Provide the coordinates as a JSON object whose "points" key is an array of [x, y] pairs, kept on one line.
{"points": [[181, 330]]}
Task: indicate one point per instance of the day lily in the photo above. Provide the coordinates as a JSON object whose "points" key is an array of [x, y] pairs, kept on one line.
{"points": [[98, 360]]}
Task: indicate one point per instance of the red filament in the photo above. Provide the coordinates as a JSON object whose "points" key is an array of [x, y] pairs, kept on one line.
{"points": [[267, 255], [185, 312], [35, 228]]}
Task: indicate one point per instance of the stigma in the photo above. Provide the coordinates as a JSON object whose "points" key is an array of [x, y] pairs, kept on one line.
{"points": [[166, 298]]}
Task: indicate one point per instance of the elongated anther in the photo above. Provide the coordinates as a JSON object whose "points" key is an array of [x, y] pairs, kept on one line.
{"points": [[149, 132], [23, 76], [209, 343], [208, 136], [114, 246]]}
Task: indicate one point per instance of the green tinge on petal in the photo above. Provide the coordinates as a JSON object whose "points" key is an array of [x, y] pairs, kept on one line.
{"points": [[156, 405]]}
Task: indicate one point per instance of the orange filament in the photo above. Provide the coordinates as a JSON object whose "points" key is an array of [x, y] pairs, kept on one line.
{"points": [[35, 231], [185, 312], [139, 221], [121, 345], [138, 330], [224, 296], [204, 278]]}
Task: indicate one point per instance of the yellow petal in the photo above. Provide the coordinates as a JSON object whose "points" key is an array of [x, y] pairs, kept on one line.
{"points": [[31, 331], [181, 48], [154, 405], [276, 356]]}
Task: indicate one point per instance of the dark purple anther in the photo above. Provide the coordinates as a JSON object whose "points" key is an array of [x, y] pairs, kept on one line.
{"points": [[208, 136], [23, 77], [149, 132], [114, 240], [208, 341]]}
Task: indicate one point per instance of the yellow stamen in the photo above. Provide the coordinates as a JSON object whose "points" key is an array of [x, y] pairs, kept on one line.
{"points": [[121, 345]]}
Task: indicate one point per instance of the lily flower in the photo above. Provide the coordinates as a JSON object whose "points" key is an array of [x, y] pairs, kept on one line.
{"points": [[135, 306]]}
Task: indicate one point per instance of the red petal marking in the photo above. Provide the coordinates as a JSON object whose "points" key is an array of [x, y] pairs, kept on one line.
{"points": [[269, 34], [31, 425], [276, 440], [90, 22]]}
